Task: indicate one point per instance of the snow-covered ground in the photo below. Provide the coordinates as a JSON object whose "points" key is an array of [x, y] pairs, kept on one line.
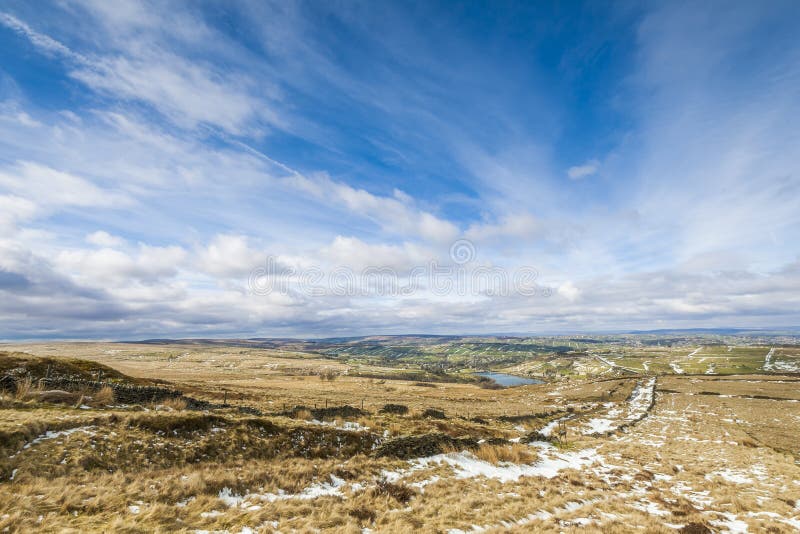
{"points": [[677, 368], [248, 501], [50, 434], [768, 366], [786, 366], [551, 462], [640, 400], [614, 365], [352, 426], [541, 515], [547, 430]]}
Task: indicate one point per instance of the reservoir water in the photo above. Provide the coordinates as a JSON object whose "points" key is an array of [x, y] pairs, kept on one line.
{"points": [[510, 380]]}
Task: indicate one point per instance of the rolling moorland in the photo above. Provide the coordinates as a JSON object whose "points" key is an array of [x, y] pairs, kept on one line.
{"points": [[660, 432]]}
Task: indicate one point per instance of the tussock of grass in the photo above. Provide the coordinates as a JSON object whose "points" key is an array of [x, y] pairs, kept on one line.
{"points": [[516, 453], [397, 409], [176, 403], [399, 492], [425, 445]]}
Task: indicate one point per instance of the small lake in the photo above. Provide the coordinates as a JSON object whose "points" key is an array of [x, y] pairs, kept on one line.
{"points": [[508, 381]]}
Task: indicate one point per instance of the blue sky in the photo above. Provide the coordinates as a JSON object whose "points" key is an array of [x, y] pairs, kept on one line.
{"points": [[642, 158]]}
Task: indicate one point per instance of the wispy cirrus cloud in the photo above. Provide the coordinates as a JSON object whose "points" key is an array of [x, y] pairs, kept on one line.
{"points": [[582, 171], [189, 93]]}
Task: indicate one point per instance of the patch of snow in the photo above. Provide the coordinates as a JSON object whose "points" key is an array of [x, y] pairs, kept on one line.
{"points": [[59, 434], [421, 485], [768, 360], [737, 477], [467, 465], [547, 430], [599, 425], [677, 368], [700, 499], [640, 400], [212, 513], [649, 507], [731, 524], [320, 489], [782, 365], [183, 503], [352, 426], [541, 515]]}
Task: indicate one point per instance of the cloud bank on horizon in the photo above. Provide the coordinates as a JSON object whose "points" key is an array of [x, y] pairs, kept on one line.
{"points": [[643, 159]]}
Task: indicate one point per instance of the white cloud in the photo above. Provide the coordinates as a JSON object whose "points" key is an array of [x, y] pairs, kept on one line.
{"points": [[185, 92], [48, 187], [396, 215], [11, 113], [12, 210], [43, 42], [106, 267], [355, 254], [569, 291], [520, 225], [102, 238], [582, 171], [229, 256]]}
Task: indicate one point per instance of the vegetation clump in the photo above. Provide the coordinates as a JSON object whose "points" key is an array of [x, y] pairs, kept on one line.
{"points": [[425, 445], [397, 409], [432, 413], [324, 414], [399, 492]]}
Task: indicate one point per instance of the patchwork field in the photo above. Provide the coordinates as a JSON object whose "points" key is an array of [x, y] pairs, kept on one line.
{"points": [[229, 438]]}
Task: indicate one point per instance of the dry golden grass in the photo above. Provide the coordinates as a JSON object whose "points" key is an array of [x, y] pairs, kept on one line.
{"points": [[105, 397], [516, 453], [25, 389], [139, 469]]}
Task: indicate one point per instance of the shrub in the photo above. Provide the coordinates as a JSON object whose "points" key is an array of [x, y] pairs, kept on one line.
{"points": [[424, 445], [105, 396], [434, 414], [303, 413], [399, 409], [487, 383], [399, 492], [363, 514], [328, 374]]}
